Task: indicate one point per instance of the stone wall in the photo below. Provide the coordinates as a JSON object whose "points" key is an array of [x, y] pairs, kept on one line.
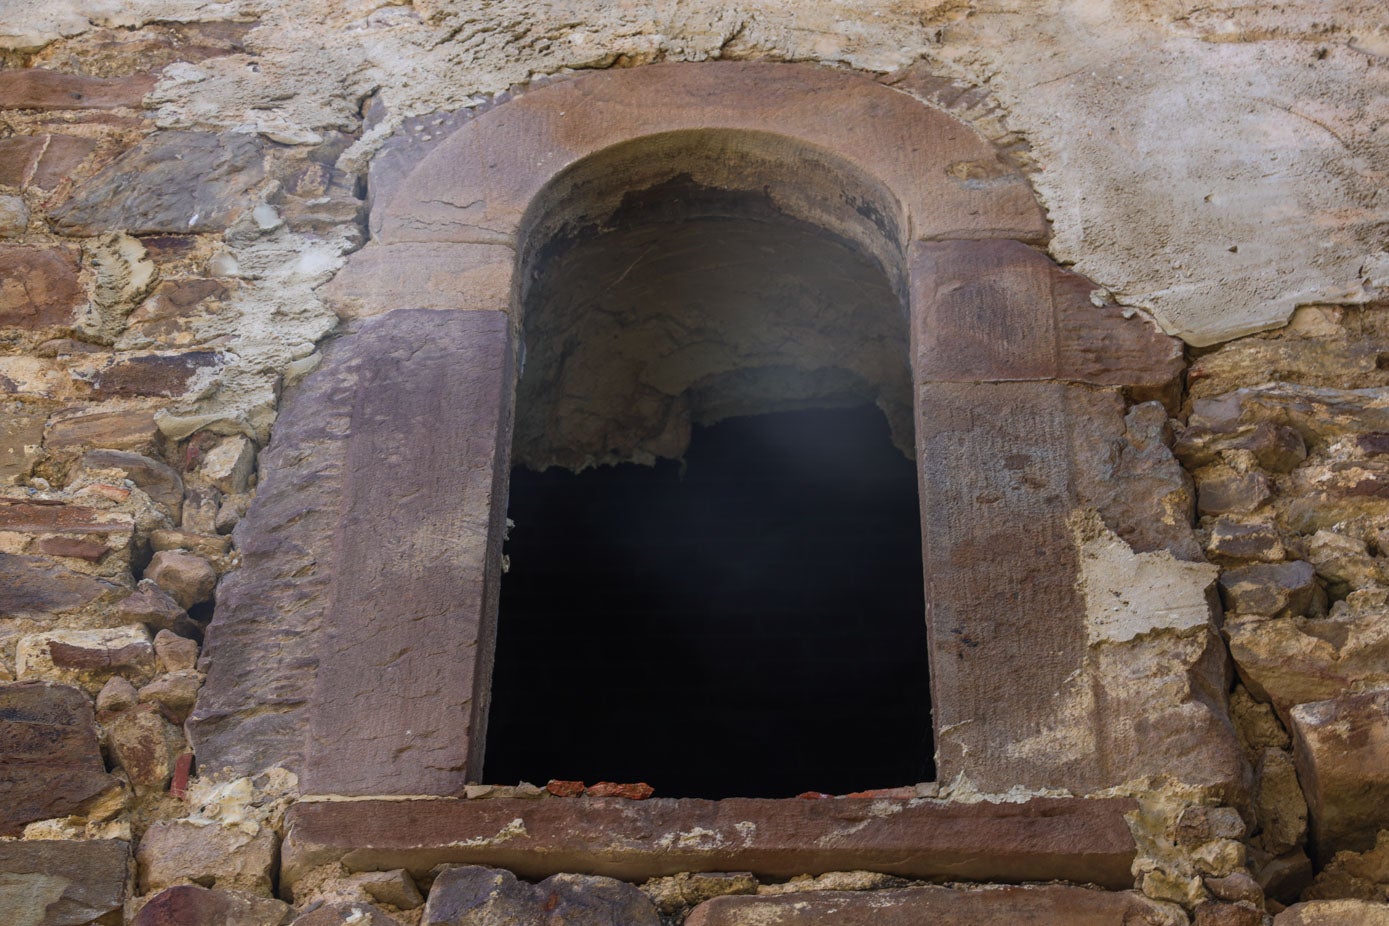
{"points": [[177, 178]]}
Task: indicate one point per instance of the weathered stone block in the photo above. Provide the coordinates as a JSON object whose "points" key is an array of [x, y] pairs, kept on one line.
{"points": [[473, 896], [150, 604], [123, 428], [164, 374], [145, 746], [1342, 751], [1292, 661], [44, 90], [207, 854], [188, 904], [57, 882], [50, 759], [38, 286], [346, 913], [998, 311], [41, 161], [188, 578], [21, 440], [35, 585], [1037, 840], [176, 182], [1334, 913], [381, 278], [86, 657], [158, 480], [1235, 543], [330, 546], [1270, 589], [987, 906]]}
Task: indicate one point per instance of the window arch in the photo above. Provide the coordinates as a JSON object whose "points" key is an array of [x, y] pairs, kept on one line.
{"points": [[366, 602]]}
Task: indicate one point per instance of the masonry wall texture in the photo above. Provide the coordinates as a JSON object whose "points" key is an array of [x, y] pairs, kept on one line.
{"points": [[182, 183]]}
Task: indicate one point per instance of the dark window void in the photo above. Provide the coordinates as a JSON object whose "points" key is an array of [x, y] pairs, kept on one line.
{"points": [[747, 623]]}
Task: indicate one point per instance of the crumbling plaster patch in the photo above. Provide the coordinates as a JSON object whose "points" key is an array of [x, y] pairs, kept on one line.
{"points": [[1216, 165]]}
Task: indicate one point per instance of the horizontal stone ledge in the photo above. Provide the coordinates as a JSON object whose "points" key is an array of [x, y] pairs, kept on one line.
{"points": [[1044, 839]]}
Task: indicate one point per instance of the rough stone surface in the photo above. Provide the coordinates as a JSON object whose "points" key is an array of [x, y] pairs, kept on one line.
{"points": [[1342, 752], [1269, 589], [1001, 311], [40, 89], [1039, 904], [1334, 913], [49, 882], [188, 578], [1039, 723], [34, 585], [145, 746], [39, 287], [174, 182], [1296, 660], [473, 896], [149, 604], [86, 657], [188, 904], [1042, 839], [52, 760], [208, 855], [346, 914], [450, 404], [42, 160]]}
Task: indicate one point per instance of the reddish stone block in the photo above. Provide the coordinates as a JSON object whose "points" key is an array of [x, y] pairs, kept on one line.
{"points": [[60, 882], [42, 161], [50, 759], [36, 88], [151, 374], [79, 429], [990, 906], [38, 287], [639, 791], [330, 547], [189, 904], [1037, 840], [565, 788], [34, 585], [1000, 311]]}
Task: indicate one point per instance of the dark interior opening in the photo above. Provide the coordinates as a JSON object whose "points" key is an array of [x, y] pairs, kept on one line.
{"points": [[747, 622]]}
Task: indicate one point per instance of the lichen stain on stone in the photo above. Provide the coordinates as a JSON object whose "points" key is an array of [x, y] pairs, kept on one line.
{"points": [[1129, 594]]}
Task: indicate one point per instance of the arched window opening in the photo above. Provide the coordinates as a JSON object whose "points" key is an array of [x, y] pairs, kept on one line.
{"points": [[715, 577]]}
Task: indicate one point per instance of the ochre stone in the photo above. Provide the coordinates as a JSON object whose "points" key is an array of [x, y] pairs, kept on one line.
{"points": [[1334, 913], [1041, 839], [1042, 905], [188, 578], [120, 428], [1342, 751], [208, 854], [50, 759]]}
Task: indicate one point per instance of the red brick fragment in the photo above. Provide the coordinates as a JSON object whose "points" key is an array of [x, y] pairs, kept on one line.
{"points": [[895, 794], [183, 767], [565, 788], [813, 796], [632, 791]]}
